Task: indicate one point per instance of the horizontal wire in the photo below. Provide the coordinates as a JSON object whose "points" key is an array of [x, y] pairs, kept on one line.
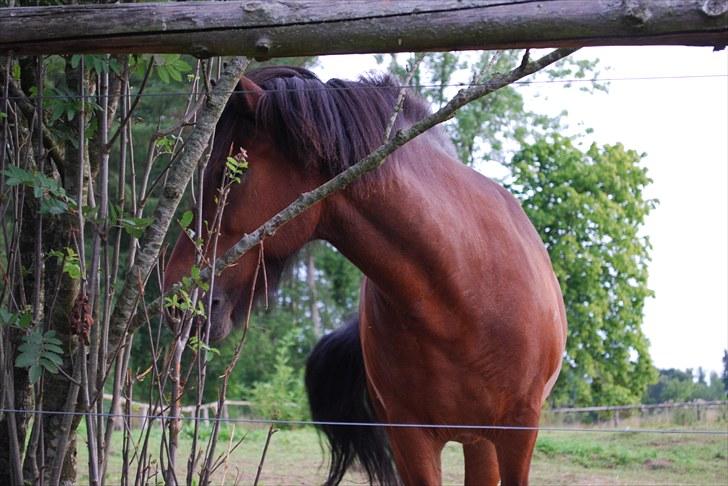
{"points": [[371, 424], [366, 86]]}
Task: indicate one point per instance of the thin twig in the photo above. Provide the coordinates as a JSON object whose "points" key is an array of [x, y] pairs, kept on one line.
{"points": [[414, 66], [271, 431], [130, 111], [170, 198]]}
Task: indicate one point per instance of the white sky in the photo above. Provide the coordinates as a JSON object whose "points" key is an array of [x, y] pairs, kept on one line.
{"points": [[682, 126]]}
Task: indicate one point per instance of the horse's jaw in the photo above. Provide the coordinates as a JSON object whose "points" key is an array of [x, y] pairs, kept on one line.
{"points": [[222, 318]]}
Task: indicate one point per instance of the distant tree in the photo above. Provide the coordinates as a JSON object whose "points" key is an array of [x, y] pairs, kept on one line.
{"points": [[701, 376], [589, 209], [725, 370], [714, 389], [679, 386], [493, 127]]}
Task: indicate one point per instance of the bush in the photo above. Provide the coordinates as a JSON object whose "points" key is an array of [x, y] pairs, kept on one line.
{"points": [[282, 397]]}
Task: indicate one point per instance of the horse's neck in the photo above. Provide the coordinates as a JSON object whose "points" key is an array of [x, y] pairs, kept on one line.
{"points": [[398, 229]]}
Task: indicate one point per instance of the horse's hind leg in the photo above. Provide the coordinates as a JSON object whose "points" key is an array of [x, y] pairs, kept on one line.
{"points": [[417, 456], [481, 464], [515, 448]]}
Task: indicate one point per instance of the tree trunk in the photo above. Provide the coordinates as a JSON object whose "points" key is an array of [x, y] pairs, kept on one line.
{"points": [[318, 329]]}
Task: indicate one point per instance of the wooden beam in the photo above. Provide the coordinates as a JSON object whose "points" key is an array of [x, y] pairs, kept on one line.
{"points": [[282, 28]]}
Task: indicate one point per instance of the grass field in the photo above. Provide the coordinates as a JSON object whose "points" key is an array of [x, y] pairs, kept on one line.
{"points": [[295, 457]]}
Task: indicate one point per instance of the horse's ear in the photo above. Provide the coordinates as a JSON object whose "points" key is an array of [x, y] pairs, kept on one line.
{"points": [[249, 95]]}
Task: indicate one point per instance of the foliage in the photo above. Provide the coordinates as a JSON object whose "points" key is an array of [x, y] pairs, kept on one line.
{"points": [[264, 341], [589, 209], [52, 196], [39, 350], [70, 261], [282, 397], [492, 127], [170, 67], [20, 320], [681, 386], [338, 284], [289, 314]]}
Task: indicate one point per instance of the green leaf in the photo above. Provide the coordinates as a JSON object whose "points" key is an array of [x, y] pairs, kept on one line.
{"points": [[16, 176], [25, 360], [186, 219], [52, 206], [6, 317], [174, 74], [34, 373], [51, 362], [163, 75], [39, 351], [135, 226], [53, 348]]}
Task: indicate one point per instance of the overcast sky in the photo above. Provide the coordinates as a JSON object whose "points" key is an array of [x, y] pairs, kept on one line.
{"points": [[682, 126]]}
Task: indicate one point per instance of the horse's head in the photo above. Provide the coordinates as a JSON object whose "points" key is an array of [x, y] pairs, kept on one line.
{"points": [[297, 132], [271, 182]]}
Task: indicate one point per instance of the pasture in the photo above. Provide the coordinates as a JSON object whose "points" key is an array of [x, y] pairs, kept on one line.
{"points": [[561, 458]]}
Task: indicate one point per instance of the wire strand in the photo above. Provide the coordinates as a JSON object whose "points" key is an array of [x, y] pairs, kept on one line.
{"points": [[163, 417], [430, 86]]}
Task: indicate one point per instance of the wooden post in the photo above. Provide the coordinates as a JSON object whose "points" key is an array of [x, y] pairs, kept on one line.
{"points": [[205, 414], [144, 412]]}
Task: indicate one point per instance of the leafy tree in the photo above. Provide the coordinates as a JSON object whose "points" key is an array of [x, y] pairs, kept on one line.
{"points": [[679, 386], [492, 127], [725, 370], [589, 208]]}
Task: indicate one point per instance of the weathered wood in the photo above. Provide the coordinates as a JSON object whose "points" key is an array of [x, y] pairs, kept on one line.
{"points": [[278, 28]]}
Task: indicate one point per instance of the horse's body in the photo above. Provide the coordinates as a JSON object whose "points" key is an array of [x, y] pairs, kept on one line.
{"points": [[461, 318]]}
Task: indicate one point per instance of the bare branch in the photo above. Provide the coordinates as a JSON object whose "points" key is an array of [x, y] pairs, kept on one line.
{"points": [[376, 159], [414, 65], [28, 110], [177, 181]]}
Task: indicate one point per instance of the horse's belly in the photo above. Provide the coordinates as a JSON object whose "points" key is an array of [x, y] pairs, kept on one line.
{"points": [[497, 377]]}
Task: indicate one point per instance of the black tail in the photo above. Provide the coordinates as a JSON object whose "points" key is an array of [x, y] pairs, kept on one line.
{"points": [[337, 392]]}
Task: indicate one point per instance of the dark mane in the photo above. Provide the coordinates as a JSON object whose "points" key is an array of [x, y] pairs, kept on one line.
{"points": [[328, 126]]}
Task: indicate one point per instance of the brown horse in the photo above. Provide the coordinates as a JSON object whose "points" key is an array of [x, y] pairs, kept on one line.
{"points": [[461, 318]]}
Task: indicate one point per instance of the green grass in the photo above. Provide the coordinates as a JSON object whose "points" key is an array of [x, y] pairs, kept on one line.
{"points": [[589, 458]]}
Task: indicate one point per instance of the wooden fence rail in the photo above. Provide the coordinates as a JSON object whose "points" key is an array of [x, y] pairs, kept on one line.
{"points": [[641, 407], [281, 28]]}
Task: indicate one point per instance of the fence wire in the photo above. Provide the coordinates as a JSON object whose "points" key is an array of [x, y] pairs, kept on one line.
{"points": [[269, 421], [71, 96]]}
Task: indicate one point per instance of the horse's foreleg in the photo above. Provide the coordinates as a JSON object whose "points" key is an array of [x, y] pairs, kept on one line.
{"points": [[481, 464], [515, 448], [417, 456]]}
